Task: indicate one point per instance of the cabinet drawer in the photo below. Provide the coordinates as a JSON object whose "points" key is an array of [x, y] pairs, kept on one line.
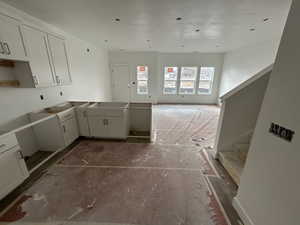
{"points": [[7, 142], [66, 115]]}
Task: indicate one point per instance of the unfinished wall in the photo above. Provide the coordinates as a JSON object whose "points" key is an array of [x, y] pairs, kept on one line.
{"points": [[89, 71], [156, 62], [269, 189], [241, 64]]}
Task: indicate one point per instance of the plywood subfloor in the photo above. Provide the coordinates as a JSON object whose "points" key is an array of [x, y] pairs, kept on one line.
{"points": [[104, 182]]}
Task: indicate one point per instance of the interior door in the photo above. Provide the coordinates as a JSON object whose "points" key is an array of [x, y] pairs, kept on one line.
{"points": [[121, 83]]}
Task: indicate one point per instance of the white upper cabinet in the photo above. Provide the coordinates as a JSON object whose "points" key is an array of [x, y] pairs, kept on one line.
{"points": [[11, 43], [59, 60], [39, 57]]}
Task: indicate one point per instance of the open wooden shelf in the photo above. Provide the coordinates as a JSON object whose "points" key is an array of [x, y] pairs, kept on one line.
{"points": [[9, 83], [7, 63]]}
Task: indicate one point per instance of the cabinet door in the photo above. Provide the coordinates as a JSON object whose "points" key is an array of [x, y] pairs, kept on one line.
{"points": [[13, 170], [39, 58], [59, 60], [70, 131], [117, 128], [11, 44], [98, 126], [83, 124]]}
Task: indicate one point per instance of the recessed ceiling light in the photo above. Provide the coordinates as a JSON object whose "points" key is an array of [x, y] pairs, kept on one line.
{"points": [[198, 30], [266, 19], [117, 20], [252, 29], [178, 18]]}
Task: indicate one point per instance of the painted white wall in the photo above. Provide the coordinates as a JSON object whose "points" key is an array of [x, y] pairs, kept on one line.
{"points": [[269, 189], [240, 113], [156, 62], [241, 64], [89, 71]]}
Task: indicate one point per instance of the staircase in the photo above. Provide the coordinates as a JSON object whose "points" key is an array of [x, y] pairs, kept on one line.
{"points": [[234, 159]]}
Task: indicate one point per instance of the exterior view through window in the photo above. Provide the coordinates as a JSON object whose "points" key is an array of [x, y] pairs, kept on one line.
{"points": [[206, 80], [170, 80], [188, 80], [142, 80]]}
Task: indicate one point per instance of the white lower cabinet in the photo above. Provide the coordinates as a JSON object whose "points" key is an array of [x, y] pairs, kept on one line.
{"points": [[109, 120], [70, 130], [68, 124], [13, 170], [59, 132], [108, 127], [83, 124], [98, 126]]}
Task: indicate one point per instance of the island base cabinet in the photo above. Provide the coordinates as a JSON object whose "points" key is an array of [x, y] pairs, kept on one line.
{"points": [[110, 128], [13, 170]]}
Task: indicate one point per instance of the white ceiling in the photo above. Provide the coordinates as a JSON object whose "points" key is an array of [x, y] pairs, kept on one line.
{"points": [[224, 24]]}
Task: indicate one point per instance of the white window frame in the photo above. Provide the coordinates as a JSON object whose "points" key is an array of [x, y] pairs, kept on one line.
{"points": [[211, 82], [176, 81], [137, 80], [195, 81]]}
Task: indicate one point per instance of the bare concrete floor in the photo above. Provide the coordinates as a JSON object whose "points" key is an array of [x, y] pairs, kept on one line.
{"points": [[105, 182]]}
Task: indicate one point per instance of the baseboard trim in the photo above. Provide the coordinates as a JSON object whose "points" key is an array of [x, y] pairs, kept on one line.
{"points": [[241, 211]]}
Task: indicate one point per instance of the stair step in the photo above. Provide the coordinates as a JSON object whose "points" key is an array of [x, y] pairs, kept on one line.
{"points": [[242, 147], [233, 163]]}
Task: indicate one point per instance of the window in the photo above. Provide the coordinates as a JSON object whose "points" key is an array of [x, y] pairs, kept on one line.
{"points": [[142, 80], [188, 80], [206, 80], [170, 80]]}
